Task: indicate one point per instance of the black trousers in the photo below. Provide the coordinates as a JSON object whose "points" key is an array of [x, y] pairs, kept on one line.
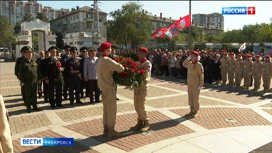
{"points": [[45, 91], [23, 92], [74, 85], [65, 87], [84, 85], [93, 87], [40, 89], [55, 85]]}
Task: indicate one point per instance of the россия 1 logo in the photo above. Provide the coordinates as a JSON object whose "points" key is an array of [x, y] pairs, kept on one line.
{"points": [[238, 10]]}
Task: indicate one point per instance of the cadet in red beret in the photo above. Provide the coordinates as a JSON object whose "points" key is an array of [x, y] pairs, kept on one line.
{"points": [[105, 68], [247, 71], [231, 67], [267, 71], [195, 78], [224, 68], [257, 72], [140, 93], [238, 70]]}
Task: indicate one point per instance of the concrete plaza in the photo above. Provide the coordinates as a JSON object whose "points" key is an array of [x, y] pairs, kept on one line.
{"points": [[231, 120]]}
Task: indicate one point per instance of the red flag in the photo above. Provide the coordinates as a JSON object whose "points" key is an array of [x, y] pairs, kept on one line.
{"points": [[173, 30], [183, 22], [160, 33]]}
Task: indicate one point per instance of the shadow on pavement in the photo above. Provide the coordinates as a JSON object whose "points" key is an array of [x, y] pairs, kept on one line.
{"points": [[267, 148]]}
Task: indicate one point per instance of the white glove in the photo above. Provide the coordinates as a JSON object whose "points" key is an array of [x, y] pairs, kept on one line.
{"points": [[189, 57]]}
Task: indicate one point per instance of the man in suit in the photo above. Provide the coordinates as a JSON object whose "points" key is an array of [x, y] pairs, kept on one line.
{"points": [[5, 134], [63, 60], [84, 85], [39, 61]]}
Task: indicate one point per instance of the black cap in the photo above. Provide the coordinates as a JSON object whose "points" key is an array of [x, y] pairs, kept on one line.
{"points": [[73, 49], [67, 46], [83, 49], [26, 49], [52, 49]]}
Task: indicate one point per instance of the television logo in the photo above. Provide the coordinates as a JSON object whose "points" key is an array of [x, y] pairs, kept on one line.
{"points": [[238, 10], [47, 141]]}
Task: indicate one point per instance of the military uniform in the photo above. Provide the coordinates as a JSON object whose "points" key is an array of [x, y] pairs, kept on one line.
{"points": [[53, 75], [29, 75], [63, 61], [231, 68], [267, 71], [238, 70], [83, 85], [224, 69], [257, 72], [140, 95], [39, 62], [17, 66], [72, 69], [105, 68], [247, 71], [5, 134], [195, 82]]}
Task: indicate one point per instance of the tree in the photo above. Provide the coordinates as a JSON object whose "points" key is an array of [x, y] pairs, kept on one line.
{"points": [[130, 25], [6, 31], [42, 17], [59, 40], [17, 28], [27, 18]]}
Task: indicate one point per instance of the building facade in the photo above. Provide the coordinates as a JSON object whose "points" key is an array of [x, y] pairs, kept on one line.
{"points": [[160, 22], [209, 23], [81, 27]]}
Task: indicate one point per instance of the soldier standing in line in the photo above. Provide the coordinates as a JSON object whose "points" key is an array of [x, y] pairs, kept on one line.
{"points": [[247, 71], [38, 61], [257, 72], [17, 66], [210, 68], [224, 68], [29, 75], [195, 82], [83, 85], [140, 93], [44, 63], [72, 70], [53, 77], [63, 60], [267, 71], [105, 68], [231, 68], [238, 70]]}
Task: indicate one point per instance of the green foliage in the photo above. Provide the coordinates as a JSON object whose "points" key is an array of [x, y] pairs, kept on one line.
{"points": [[129, 25], [17, 28], [6, 31], [27, 18], [42, 17]]}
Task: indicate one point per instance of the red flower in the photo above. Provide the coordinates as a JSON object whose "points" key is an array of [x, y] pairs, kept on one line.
{"points": [[131, 70], [122, 59], [125, 65], [71, 68], [117, 60], [124, 74], [59, 64], [142, 71]]}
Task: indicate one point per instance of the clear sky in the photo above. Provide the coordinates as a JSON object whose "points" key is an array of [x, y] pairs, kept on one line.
{"points": [[176, 9]]}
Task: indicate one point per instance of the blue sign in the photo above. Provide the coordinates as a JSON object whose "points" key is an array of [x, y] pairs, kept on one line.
{"points": [[47, 141], [234, 10]]}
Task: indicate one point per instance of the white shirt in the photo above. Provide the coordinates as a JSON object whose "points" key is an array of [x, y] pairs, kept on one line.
{"points": [[173, 62]]}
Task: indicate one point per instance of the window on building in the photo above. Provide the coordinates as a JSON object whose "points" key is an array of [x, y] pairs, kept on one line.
{"points": [[89, 15]]}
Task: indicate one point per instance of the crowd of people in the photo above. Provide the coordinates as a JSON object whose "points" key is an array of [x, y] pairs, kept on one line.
{"points": [[220, 67]]}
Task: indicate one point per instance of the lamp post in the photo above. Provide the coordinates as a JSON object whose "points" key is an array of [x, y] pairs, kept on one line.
{"points": [[189, 37]]}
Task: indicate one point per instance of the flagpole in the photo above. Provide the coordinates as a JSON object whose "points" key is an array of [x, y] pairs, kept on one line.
{"points": [[189, 37]]}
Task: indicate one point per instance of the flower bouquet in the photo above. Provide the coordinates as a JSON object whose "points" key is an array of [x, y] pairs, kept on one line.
{"points": [[132, 77]]}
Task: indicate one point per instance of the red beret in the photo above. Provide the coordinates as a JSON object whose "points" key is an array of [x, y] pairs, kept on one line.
{"points": [[239, 55], [249, 55], [267, 56], [258, 56], [195, 53], [232, 53], [143, 49], [105, 45], [225, 53]]}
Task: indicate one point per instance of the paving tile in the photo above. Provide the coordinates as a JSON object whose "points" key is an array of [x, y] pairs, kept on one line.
{"points": [[183, 146], [42, 149], [214, 118], [175, 85], [26, 123], [161, 128], [179, 101], [234, 96]]}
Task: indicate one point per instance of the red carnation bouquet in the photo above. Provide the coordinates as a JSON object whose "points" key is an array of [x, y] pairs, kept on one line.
{"points": [[132, 77]]}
